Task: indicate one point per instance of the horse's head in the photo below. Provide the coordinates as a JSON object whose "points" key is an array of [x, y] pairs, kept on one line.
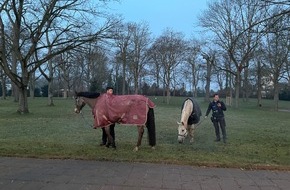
{"points": [[182, 132], [79, 103], [83, 98]]}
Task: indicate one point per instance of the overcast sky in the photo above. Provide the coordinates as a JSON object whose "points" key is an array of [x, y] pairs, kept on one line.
{"points": [[180, 15]]}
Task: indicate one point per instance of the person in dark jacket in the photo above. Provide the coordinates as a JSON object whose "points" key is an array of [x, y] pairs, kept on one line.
{"points": [[109, 91], [218, 118]]}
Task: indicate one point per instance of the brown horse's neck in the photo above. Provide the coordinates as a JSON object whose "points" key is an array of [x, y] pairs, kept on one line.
{"points": [[90, 101]]}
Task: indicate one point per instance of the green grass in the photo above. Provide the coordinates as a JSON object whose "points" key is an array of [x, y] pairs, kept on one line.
{"points": [[257, 137]]}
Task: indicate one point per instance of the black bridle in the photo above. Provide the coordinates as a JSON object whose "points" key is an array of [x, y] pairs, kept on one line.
{"points": [[185, 134]]}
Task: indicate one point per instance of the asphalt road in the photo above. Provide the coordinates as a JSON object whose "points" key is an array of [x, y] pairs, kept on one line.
{"points": [[48, 174]]}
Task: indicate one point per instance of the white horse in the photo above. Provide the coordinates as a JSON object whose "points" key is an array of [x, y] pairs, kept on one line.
{"points": [[190, 116]]}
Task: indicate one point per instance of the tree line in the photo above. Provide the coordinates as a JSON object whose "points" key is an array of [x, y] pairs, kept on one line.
{"points": [[76, 45]]}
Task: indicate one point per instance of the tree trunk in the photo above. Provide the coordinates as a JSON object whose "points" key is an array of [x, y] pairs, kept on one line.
{"points": [[65, 80], [207, 85], [50, 81], [246, 85], [32, 85], [124, 73], [259, 84], [167, 95], [237, 87], [65, 85], [3, 85], [136, 85], [157, 80], [193, 72], [50, 84], [15, 92], [22, 89], [50, 93], [276, 94], [23, 103]]}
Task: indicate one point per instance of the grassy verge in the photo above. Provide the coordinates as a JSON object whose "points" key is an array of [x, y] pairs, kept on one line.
{"points": [[257, 137]]}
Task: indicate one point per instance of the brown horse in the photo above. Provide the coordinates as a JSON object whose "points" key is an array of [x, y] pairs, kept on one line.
{"points": [[104, 116]]}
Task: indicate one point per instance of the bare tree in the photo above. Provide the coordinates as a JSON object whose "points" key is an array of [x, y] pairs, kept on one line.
{"points": [[229, 21], [154, 65], [123, 39], [138, 54], [261, 72], [49, 76], [268, 6], [30, 20], [194, 49], [277, 53], [210, 58], [96, 68], [169, 52], [220, 77]]}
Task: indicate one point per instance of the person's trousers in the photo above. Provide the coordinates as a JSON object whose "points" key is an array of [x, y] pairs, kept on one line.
{"points": [[112, 132], [218, 124]]}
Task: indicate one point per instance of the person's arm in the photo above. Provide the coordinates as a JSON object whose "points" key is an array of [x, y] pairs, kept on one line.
{"points": [[208, 110], [223, 106]]}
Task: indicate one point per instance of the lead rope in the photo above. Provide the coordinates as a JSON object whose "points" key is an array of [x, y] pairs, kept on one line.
{"points": [[199, 123], [87, 123], [195, 126]]}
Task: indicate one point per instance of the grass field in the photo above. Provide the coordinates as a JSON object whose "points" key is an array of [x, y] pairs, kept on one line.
{"points": [[257, 137]]}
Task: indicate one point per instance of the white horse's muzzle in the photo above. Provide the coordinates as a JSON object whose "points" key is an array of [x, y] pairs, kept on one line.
{"points": [[181, 137]]}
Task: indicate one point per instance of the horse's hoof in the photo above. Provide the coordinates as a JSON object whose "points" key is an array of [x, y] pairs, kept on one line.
{"points": [[135, 149], [153, 147]]}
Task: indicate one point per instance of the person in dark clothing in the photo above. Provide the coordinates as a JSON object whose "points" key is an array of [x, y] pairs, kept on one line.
{"points": [[109, 91], [218, 118]]}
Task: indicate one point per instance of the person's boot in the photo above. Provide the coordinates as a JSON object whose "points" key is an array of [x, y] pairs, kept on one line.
{"points": [[103, 144], [108, 144], [217, 139], [114, 145]]}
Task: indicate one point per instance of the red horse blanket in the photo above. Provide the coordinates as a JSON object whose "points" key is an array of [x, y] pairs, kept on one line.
{"points": [[122, 109]]}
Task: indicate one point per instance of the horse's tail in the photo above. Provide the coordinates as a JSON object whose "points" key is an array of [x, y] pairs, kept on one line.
{"points": [[150, 124]]}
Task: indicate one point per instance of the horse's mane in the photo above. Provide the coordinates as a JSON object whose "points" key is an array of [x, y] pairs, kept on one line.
{"points": [[88, 94]]}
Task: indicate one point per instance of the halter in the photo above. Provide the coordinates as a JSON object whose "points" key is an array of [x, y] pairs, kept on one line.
{"points": [[185, 134]]}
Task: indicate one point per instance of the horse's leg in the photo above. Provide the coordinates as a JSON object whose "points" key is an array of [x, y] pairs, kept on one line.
{"points": [[110, 141], [191, 132], [140, 135]]}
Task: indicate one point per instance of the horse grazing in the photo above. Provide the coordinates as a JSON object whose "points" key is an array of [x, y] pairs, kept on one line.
{"points": [[190, 116], [121, 109]]}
